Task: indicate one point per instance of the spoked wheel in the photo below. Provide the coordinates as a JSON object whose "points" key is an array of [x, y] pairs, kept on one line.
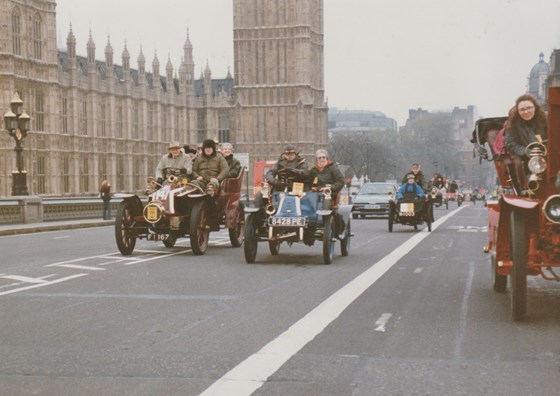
{"points": [[430, 217], [274, 247], [345, 243], [123, 222], [518, 249], [198, 229], [236, 233], [391, 216], [251, 241], [499, 282], [170, 242], [328, 235]]}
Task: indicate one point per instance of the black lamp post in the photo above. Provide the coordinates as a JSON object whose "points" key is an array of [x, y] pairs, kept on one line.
{"points": [[17, 123], [436, 165]]}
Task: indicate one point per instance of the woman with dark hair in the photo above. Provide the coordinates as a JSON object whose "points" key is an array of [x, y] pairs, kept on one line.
{"points": [[526, 124]]}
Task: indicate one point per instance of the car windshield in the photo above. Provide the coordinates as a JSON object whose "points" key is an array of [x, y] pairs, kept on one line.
{"points": [[375, 189]]}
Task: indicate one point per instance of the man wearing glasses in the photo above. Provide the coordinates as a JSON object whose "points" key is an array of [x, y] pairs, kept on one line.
{"points": [[291, 161]]}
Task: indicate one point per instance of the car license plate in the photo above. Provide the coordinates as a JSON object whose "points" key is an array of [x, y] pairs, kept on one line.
{"points": [[406, 209], [287, 221], [158, 237], [372, 207]]}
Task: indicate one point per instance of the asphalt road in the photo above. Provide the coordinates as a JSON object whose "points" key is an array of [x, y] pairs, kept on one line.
{"points": [[406, 313]]}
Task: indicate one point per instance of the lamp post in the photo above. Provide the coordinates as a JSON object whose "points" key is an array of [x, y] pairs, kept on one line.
{"points": [[17, 123], [436, 165]]}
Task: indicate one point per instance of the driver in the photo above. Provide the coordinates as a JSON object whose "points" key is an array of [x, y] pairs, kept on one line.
{"points": [[410, 188], [177, 159], [290, 159]]}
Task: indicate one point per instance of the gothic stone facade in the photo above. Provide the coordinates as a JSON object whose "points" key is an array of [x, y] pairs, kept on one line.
{"points": [[94, 120]]}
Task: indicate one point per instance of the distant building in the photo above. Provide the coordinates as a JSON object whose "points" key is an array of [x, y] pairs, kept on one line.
{"points": [[536, 82], [354, 121]]}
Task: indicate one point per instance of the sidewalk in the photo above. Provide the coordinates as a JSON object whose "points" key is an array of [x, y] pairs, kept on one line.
{"points": [[15, 229]]}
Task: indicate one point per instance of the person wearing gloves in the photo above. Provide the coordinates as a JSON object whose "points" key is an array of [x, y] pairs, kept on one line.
{"points": [[210, 168], [289, 159], [176, 158]]}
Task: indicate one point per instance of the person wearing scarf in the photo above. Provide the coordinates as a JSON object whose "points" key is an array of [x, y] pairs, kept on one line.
{"points": [[325, 172]]}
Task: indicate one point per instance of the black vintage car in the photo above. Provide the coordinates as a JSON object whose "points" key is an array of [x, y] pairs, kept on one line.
{"points": [[412, 211]]}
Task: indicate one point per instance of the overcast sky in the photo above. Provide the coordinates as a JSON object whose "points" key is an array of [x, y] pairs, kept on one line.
{"points": [[383, 55]]}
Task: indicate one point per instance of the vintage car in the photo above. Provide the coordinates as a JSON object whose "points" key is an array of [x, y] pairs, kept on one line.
{"points": [[373, 199], [524, 222], [177, 209], [412, 211], [296, 215], [439, 197]]}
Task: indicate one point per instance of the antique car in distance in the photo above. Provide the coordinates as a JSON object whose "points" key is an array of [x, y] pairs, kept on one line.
{"points": [[295, 215], [412, 211], [177, 209], [524, 222], [373, 199]]}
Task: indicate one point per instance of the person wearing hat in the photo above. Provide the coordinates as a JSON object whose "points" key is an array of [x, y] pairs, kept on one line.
{"points": [[325, 172], [176, 158], [289, 159], [210, 168], [419, 177], [410, 188]]}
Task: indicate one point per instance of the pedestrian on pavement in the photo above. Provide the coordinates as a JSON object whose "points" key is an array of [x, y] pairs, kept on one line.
{"points": [[105, 193]]}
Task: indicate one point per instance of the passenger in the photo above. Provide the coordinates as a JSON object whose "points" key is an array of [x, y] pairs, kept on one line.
{"points": [[526, 124], [288, 160], [210, 168], [325, 172], [234, 165], [410, 187], [190, 152], [176, 158], [418, 176]]}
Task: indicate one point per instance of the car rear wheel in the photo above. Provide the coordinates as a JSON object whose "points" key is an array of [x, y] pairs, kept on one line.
{"points": [[123, 222], [251, 241], [391, 216], [274, 247], [328, 244], [236, 233], [198, 230], [518, 248], [345, 243], [170, 242]]}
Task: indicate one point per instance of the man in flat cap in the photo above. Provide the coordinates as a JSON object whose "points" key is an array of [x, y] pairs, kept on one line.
{"points": [[176, 158]]}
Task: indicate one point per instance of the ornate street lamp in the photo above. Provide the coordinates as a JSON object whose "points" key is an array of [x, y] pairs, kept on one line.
{"points": [[17, 123]]}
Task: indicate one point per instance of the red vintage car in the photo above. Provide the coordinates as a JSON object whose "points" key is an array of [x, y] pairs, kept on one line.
{"points": [[178, 209], [524, 222]]}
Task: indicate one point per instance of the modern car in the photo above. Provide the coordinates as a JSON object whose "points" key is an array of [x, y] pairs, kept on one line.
{"points": [[373, 199]]}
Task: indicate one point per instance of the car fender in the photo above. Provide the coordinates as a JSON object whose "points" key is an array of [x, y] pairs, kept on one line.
{"points": [[135, 203]]}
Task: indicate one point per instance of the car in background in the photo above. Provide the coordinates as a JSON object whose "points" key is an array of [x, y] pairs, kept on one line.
{"points": [[373, 199]]}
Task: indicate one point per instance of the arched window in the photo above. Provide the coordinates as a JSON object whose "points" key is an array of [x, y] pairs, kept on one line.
{"points": [[37, 38], [16, 32]]}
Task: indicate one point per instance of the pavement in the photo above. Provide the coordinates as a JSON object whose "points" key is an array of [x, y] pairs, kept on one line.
{"points": [[16, 229]]}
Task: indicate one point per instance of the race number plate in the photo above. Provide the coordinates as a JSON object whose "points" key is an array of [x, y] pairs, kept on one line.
{"points": [[406, 209], [287, 221], [152, 213]]}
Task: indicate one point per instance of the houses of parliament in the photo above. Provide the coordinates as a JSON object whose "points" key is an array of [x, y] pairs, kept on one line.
{"points": [[107, 116]]}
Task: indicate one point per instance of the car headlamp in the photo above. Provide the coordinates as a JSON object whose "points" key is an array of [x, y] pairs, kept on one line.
{"points": [[153, 212], [537, 165], [551, 208]]}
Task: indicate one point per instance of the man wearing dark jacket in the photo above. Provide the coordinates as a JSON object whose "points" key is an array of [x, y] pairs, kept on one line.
{"points": [[290, 159], [210, 168]]}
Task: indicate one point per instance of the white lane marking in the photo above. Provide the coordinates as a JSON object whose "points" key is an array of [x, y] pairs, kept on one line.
{"points": [[42, 284], [457, 350], [252, 373], [25, 279], [82, 267], [418, 270], [382, 322], [62, 237]]}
